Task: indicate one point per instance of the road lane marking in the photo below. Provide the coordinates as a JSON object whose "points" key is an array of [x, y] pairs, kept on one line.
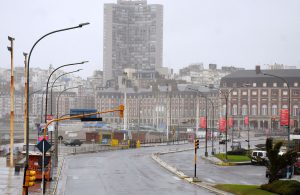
{"points": [[75, 177], [210, 180], [176, 178]]}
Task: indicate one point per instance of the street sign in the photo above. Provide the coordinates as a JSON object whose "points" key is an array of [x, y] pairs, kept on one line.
{"points": [[46, 147], [51, 126], [91, 119]]}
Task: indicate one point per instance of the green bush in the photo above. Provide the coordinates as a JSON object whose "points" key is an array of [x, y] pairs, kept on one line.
{"points": [[241, 151], [284, 187]]}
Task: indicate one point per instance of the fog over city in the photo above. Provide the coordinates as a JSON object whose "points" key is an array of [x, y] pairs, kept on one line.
{"points": [[226, 33]]}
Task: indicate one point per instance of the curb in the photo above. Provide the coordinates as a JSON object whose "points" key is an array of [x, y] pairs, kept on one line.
{"points": [[226, 163], [58, 176], [180, 174]]}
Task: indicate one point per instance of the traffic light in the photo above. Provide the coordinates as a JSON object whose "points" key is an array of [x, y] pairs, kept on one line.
{"points": [[30, 178], [196, 143], [121, 109]]}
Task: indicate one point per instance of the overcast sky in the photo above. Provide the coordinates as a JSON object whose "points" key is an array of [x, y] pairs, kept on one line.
{"points": [[241, 33]]}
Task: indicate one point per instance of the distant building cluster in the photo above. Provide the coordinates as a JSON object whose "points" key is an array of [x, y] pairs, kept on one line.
{"points": [[195, 73]]}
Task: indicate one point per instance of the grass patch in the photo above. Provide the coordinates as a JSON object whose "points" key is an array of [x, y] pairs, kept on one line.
{"points": [[233, 158], [242, 189]]}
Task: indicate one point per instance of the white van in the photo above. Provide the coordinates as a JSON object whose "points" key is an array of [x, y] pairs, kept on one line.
{"points": [[258, 156]]}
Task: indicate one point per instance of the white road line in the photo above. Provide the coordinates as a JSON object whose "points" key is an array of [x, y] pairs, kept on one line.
{"points": [[209, 180], [176, 178]]}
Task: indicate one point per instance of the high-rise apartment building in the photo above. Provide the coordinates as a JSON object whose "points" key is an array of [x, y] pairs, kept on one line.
{"points": [[133, 37]]}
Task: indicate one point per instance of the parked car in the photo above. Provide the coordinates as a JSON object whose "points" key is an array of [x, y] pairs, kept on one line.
{"points": [[258, 157], [223, 141], [236, 145], [73, 142]]}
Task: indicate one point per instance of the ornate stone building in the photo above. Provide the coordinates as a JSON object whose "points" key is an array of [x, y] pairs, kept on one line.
{"points": [[262, 98]]}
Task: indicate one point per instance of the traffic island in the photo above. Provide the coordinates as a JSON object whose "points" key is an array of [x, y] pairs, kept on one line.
{"points": [[233, 160], [243, 189], [181, 175]]}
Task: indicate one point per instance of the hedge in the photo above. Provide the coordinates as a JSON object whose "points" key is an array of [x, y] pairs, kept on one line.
{"points": [[284, 187]]}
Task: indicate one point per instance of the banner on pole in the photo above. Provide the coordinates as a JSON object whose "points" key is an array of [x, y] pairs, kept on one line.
{"points": [[222, 124], [203, 122], [246, 120], [284, 117]]}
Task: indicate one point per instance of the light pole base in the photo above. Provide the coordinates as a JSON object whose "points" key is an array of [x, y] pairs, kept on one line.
{"points": [[206, 154]]}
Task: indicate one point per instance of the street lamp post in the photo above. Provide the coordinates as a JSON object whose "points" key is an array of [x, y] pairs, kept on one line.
{"points": [[46, 103], [72, 64], [25, 94], [51, 94], [213, 125], [289, 103], [12, 95], [125, 102], [206, 98], [258, 71], [28, 67], [56, 126], [226, 96]]}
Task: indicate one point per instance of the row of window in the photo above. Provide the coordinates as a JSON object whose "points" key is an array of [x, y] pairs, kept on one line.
{"points": [[265, 92], [264, 110], [265, 84]]}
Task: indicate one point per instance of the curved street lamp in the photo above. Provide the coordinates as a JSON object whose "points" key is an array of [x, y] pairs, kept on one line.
{"points": [[46, 104], [289, 103], [56, 128], [49, 80], [206, 129], [51, 95], [226, 96], [28, 66]]}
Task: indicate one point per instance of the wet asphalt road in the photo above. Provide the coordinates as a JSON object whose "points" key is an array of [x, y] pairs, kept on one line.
{"points": [[122, 172]]}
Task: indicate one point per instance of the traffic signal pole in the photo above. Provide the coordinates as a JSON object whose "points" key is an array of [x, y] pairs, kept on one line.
{"points": [[195, 163], [196, 146], [119, 109]]}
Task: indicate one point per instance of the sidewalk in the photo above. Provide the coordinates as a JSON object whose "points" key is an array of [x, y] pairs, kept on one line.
{"points": [[11, 184]]}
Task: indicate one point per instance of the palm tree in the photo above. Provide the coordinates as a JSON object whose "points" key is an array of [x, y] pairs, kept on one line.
{"points": [[278, 162]]}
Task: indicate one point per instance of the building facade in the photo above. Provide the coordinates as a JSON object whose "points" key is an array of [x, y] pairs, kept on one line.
{"points": [[133, 37], [261, 97], [163, 106]]}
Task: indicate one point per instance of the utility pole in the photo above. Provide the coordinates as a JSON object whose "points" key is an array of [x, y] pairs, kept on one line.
{"points": [[170, 111], [206, 153], [167, 114], [125, 101], [12, 97], [197, 116], [25, 95], [177, 136]]}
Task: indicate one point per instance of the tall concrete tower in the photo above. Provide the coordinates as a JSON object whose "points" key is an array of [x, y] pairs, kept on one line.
{"points": [[133, 37]]}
